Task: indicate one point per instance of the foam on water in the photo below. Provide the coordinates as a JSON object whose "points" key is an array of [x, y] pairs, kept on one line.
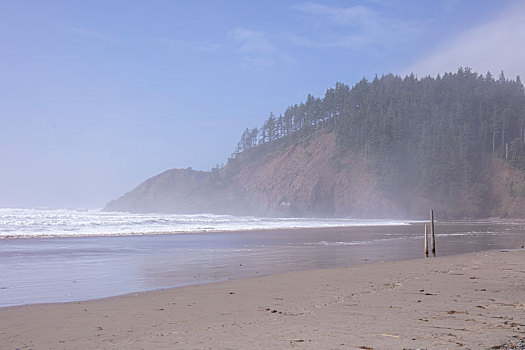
{"points": [[32, 223]]}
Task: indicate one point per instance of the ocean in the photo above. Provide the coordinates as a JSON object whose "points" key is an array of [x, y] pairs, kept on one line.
{"points": [[66, 255], [33, 223]]}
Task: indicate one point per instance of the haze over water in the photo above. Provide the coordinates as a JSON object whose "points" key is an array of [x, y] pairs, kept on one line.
{"points": [[38, 270], [33, 223]]}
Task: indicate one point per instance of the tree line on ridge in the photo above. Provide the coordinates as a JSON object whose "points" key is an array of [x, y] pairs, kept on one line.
{"points": [[426, 135]]}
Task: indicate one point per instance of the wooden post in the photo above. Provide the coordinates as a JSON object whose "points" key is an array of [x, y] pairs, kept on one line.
{"points": [[426, 240], [432, 232]]}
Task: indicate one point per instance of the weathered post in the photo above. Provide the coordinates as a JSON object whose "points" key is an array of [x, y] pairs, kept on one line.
{"points": [[432, 232], [426, 240]]}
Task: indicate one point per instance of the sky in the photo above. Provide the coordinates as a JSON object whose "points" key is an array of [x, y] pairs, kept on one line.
{"points": [[98, 96]]}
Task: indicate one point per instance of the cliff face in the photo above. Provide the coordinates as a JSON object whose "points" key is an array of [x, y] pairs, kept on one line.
{"points": [[310, 179], [315, 179], [392, 147], [174, 191]]}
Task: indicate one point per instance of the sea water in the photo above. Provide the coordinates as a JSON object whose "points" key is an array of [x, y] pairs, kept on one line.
{"points": [[64, 255], [32, 223]]}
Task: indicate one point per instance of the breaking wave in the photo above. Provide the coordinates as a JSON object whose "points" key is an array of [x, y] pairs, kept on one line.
{"points": [[33, 223]]}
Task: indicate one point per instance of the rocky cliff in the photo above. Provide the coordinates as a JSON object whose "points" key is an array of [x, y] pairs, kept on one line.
{"points": [[314, 178], [391, 147]]}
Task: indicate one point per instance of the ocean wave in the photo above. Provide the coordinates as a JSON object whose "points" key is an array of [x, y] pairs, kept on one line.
{"points": [[27, 223]]}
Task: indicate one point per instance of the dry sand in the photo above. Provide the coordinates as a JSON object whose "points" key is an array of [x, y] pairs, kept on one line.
{"points": [[473, 301]]}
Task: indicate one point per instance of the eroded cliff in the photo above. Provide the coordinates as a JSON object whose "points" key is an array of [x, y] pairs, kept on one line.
{"points": [[314, 178]]}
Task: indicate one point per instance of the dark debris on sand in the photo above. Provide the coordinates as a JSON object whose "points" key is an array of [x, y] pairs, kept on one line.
{"points": [[513, 344]]}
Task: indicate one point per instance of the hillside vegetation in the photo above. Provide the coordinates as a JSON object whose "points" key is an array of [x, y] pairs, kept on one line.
{"points": [[390, 147]]}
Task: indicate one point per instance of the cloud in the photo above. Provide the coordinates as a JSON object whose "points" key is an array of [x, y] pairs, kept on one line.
{"points": [[494, 46], [349, 15], [255, 49], [354, 27], [203, 46], [251, 41], [93, 34]]}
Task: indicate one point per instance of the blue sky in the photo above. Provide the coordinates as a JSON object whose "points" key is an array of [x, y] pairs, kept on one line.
{"points": [[97, 96]]}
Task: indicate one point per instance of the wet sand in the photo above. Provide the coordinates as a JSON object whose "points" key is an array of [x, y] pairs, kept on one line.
{"points": [[470, 301], [72, 269]]}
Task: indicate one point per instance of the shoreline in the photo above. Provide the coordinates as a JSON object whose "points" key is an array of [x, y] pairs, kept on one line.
{"points": [[239, 231], [29, 223], [71, 269], [474, 300], [366, 262], [401, 223]]}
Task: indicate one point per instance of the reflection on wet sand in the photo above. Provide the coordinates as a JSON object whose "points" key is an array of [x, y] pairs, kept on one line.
{"points": [[64, 269]]}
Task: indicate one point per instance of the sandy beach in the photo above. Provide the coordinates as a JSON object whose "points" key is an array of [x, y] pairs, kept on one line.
{"points": [[471, 301]]}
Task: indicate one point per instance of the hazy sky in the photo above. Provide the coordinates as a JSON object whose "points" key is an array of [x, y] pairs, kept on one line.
{"points": [[97, 96]]}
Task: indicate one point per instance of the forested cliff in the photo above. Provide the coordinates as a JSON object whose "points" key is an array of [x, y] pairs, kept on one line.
{"points": [[390, 147]]}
